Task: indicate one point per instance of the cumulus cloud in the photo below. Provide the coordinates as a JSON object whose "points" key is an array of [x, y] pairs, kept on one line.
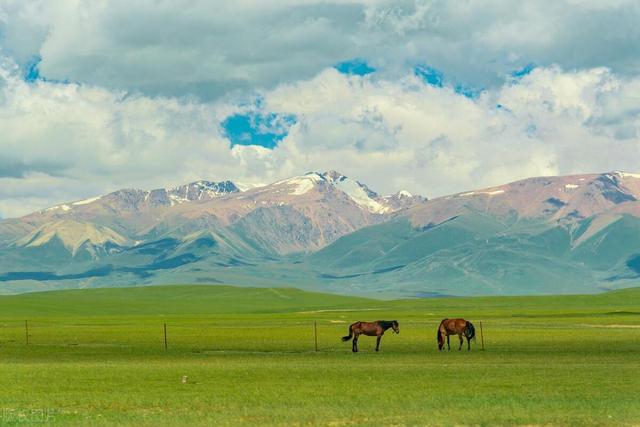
{"points": [[391, 134], [435, 141], [87, 140], [214, 49], [172, 48], [141, 96]]}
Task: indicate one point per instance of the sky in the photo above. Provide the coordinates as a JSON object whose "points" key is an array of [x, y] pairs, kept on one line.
{"points": [[433, 97]]}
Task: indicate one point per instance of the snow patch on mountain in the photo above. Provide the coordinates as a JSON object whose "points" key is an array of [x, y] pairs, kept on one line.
{"points": [[301, 184], [302, 187], [245, 186], [304, 184], [200, 190], [358, 194], [86, 201], [627, 174], [59, 207], [176, 200], [488, 193]]}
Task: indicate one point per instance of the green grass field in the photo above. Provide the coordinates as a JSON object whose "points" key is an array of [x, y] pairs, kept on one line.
{"points": [[97, 357]]}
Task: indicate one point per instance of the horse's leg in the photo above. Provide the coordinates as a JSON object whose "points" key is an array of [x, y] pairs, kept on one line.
{"points": [[468, 344], [354, 347], [378, 342], [448, 346], [461, 341]]}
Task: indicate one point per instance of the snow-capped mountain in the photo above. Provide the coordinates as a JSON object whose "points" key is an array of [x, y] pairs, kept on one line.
{"points": [[402, 200], [324, 206], [135, 199], [323, 230], [555, 199], [357, 192], [201, 190], [562, 234]]}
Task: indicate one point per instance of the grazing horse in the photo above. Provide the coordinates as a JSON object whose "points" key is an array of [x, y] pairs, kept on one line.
{"points": [[372, 329], [458, 327]]}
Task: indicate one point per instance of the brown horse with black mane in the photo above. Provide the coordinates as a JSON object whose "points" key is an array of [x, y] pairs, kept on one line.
{"points": [[372, 329], [458, 327]]}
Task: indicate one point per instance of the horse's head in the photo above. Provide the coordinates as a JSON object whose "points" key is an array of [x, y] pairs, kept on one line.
{"points": [[440, 337], [440, 341], [395, 326]]}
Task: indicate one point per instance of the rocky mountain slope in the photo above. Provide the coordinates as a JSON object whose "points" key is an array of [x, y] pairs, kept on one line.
{"points": [[565, 234], [297, 214], [135, 231], [564, 199]]}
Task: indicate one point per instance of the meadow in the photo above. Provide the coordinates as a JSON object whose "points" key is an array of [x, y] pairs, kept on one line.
{"points": [[97, 357]]}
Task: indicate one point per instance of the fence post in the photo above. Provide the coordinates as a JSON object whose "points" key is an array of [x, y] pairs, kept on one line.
{"points": [[315, 333], [26, 330], [165, 336], [481, 336]]}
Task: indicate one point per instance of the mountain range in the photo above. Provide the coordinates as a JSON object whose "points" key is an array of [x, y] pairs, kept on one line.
{"points": [[325, 231]]}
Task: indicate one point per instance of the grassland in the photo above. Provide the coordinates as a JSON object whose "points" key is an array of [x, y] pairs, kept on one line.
{"points": [[97, 357]]}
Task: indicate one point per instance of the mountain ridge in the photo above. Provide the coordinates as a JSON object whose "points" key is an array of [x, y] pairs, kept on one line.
{"points": [[325, 231], [323, 205]]}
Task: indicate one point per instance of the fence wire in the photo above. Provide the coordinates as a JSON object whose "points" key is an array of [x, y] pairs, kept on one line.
{"points": [[208, 335]]}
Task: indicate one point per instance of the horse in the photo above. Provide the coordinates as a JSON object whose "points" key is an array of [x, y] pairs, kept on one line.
{"points": [[372, 329], [458, 327]]}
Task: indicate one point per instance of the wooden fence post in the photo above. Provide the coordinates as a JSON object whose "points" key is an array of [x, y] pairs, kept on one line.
{"points": [[315, 333], [481, 336], [165, 336]]}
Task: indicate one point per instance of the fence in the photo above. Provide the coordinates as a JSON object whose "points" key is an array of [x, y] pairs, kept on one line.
{"points": [[255, 335]]}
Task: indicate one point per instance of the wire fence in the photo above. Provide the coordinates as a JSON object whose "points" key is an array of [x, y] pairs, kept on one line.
{"points": [[209, 335]]}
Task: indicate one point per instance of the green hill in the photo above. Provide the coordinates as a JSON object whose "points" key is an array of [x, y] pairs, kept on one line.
{"points": [[476, 254], [193, 300], [470, 254], [172, 300]]}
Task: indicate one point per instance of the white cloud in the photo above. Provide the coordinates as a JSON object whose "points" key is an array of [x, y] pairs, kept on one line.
{"points": [[434, 141], [66, 141], [157, 81], [210, 49], [87, 140]]}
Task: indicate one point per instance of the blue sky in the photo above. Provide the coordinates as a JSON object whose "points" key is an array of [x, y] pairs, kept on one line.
{"points": [[266, 129], [257, 128], [430, 75], [433, 97], [31, 71], [356, 66]]}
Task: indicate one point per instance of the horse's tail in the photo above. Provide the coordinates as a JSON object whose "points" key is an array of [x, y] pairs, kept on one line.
{"points": [[470, 331], [348, 337]]}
